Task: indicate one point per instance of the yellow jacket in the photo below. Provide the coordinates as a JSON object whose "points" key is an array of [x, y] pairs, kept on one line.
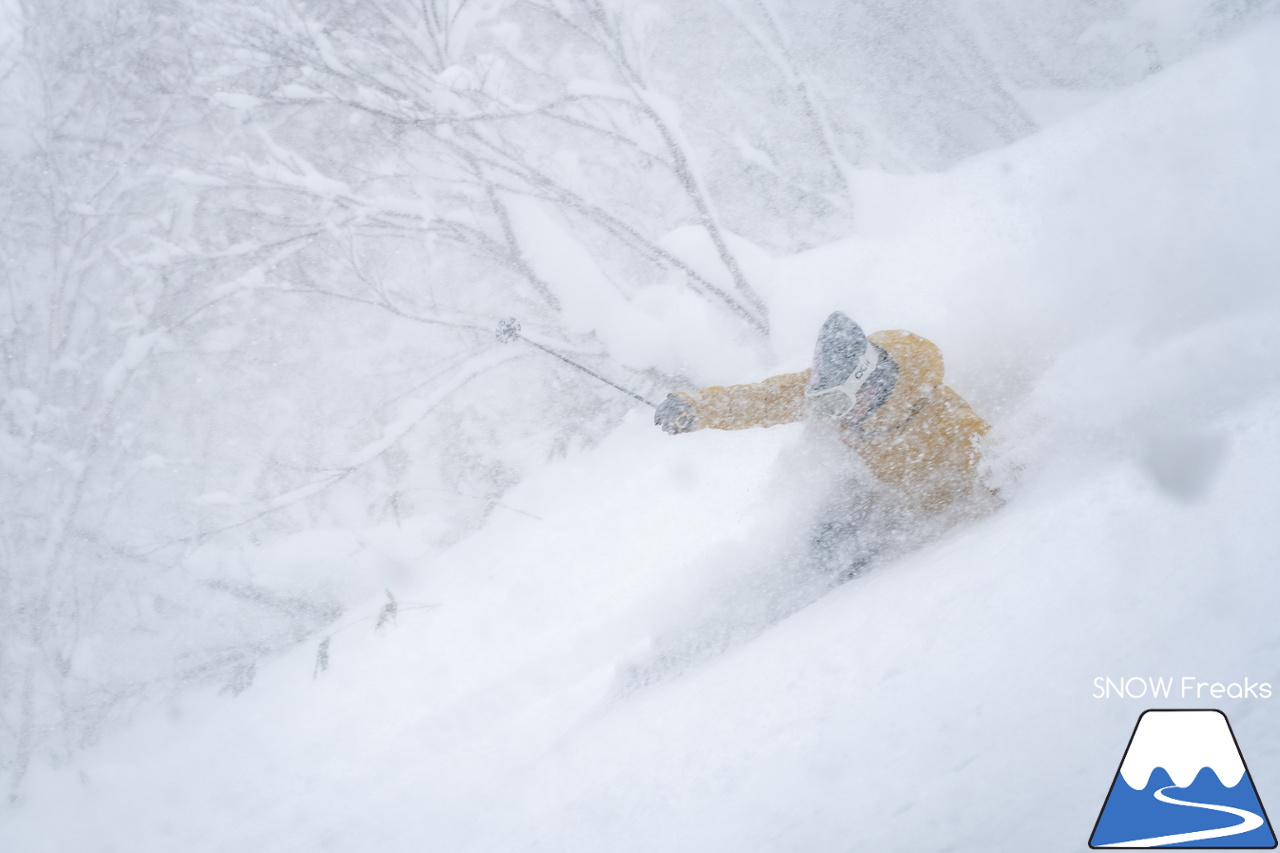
{"points": [[922, 442]]}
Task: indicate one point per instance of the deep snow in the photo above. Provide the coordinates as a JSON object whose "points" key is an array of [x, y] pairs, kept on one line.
{"points": [[1105, 293]]}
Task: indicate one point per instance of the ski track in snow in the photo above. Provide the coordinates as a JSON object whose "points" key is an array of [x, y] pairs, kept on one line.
{"points": [[1248, 822]]}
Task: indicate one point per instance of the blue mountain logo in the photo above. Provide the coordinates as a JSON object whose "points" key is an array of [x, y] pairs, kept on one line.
{"points": [[1183, 783]]}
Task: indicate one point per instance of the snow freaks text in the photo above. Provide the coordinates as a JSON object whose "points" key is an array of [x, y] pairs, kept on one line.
{"points": [[1186, 687]]}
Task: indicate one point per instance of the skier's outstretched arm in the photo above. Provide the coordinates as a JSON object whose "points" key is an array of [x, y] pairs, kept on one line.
{"points": [[777, 400]]}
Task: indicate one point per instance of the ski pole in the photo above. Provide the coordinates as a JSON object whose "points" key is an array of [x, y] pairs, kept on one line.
{"points": [[509, 330]]}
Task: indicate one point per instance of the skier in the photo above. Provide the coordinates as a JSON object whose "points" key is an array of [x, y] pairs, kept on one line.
{"points": [[884, 394]]}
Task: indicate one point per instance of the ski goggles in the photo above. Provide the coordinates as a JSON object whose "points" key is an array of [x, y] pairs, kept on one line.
{"points": [[838, 400]]}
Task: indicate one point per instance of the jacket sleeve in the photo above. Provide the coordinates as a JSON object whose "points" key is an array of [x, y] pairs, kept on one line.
{"points": [[777, 400]]}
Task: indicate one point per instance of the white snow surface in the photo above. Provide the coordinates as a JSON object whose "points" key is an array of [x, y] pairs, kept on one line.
{"points": [[1183, 743], [1105, 293]]}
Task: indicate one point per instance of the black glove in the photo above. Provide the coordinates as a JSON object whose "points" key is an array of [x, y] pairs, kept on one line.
{"points": [[675, 415]]}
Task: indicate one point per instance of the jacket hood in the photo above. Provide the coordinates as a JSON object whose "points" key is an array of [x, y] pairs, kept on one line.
{"points": [[920, 371]]}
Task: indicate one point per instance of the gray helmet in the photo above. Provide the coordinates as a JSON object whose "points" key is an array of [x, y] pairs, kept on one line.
{"points": [[846, 366]]}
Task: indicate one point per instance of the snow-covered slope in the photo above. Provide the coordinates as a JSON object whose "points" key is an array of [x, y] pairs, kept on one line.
{"points": [[1105, 292]]}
